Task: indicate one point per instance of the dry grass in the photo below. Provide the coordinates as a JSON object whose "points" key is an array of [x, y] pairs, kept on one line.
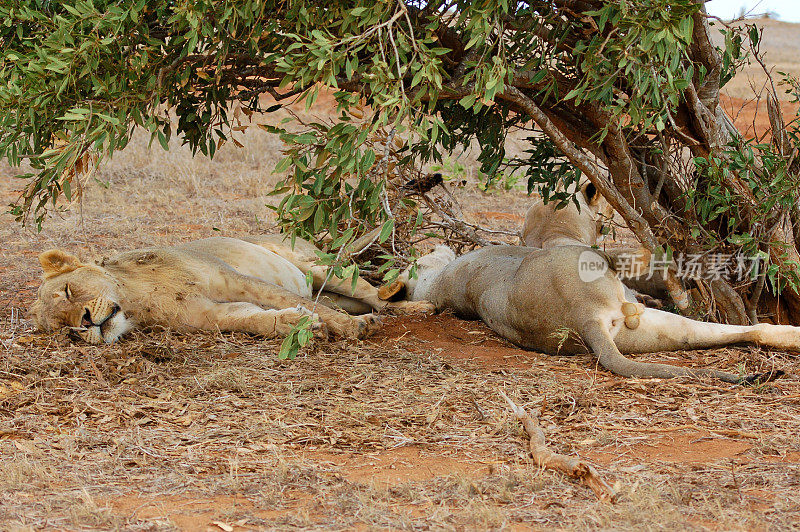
{"points": [[403, 431], [317, 442]]}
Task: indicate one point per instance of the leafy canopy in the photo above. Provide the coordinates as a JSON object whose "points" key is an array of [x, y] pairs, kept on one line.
{"points": [[626, 85], [80, 76]]}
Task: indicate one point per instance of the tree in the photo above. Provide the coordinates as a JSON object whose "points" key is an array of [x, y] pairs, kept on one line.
{"points": [[623, 93]]}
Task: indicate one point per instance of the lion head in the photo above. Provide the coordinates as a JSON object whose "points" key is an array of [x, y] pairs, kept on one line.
{"points": [[578, 223], [80, 296], [596, 207]]}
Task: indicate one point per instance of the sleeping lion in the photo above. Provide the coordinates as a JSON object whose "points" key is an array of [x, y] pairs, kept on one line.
{"points": [[541, 298], [256, 286]]}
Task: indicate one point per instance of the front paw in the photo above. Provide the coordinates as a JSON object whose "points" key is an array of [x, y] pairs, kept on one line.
{"points": [[287, 319], [354, 327], [366, 325], [649, 301], [319, 329]]}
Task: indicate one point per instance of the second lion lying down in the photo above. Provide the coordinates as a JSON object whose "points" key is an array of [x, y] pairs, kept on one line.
{"points": [[256, 286], [538, 298]]}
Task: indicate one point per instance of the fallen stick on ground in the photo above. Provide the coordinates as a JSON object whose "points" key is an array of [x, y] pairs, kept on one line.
{"points": [[547, 459]]}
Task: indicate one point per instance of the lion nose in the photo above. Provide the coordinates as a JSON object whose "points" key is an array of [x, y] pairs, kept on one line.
{"points": [[86, 320], [116, 308]]}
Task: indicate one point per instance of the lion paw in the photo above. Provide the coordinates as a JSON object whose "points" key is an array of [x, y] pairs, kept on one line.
{"points": [[354, 327], [649, 301], [318, 328], [386, 292], [367, 324]]}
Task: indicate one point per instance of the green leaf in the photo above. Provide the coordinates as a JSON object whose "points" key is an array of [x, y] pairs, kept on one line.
{"points": [[386, 230], [573, 93], [162, 139], [283, 165], [299, 336], [539, 76], [754, 35], [467, 101]]}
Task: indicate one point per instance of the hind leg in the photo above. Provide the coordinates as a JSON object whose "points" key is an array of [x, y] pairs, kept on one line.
{"points": [[597, 333], [664, 331], [363, 291], [233, 286], [303, 256]]}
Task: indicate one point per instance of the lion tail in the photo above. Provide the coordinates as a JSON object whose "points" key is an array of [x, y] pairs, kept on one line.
{"points": [[598, 338]]}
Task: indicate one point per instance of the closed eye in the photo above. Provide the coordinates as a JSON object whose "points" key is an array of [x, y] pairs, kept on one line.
{"points": [[67, 291]]}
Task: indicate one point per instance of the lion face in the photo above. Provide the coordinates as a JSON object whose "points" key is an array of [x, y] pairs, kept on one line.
{"points": [[80, 296]]}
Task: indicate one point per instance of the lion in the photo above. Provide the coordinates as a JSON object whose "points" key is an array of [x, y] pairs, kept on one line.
{"points": [[581, 224], [563, 297], [255, 285], [546, 226]]}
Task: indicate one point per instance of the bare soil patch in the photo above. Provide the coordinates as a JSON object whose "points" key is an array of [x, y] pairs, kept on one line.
{"points": [[403, 430], [751, 118]]}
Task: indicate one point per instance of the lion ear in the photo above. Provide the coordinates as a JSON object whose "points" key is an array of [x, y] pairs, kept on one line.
{"points": [[55, 262], [591, 194]]}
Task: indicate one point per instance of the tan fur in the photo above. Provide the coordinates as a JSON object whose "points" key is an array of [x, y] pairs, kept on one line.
{"points": [[216, 283], [303, 255], [537, 299], [546, 227]]}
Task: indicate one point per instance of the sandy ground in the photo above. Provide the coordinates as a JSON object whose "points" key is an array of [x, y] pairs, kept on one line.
{"points": [[780, 43], [404, 430]]}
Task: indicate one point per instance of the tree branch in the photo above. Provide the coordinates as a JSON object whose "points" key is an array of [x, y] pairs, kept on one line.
{"points": [[547, 459]]}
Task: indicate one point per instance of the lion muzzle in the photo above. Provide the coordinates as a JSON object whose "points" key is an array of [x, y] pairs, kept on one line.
{"points": [[88, 319], [102, 321]]}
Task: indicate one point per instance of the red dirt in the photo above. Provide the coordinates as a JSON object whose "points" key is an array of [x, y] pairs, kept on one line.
{"points": [[689, 446], [456, 339], [398, 466], [185, 512], [459, 340], [751, 117]]}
